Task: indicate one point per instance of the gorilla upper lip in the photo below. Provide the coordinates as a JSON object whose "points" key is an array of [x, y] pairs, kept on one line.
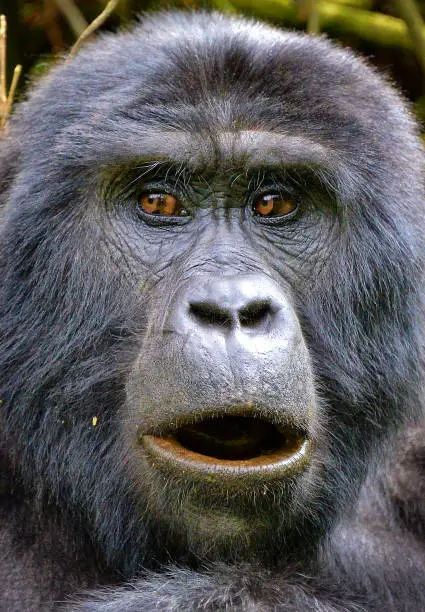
{"points": [[236, 444]]}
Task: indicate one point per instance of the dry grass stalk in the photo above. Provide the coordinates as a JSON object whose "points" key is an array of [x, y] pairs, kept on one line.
{"points": [[97, 23], [6, 99]]}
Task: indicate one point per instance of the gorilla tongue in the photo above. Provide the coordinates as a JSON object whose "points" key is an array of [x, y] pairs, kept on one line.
{"points": [[231, 437]]}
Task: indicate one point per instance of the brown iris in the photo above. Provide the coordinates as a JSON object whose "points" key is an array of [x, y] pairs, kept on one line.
{"points": [[274, 205], [163, 204]]}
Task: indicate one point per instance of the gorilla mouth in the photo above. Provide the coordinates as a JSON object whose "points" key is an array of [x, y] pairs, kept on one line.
{"points": [[235, 444]]}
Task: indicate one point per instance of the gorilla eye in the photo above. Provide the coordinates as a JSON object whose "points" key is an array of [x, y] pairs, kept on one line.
{"points": [[163, 204], [274, 205]]}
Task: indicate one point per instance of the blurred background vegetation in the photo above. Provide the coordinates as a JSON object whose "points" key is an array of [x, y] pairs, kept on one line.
{"points": [[390, 33]]}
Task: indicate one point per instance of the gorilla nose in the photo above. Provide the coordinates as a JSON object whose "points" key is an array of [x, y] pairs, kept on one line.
{"points": [[252, 304]]}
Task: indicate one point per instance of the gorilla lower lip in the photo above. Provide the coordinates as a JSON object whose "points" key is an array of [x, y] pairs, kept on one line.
{"points": [[232, 444]]}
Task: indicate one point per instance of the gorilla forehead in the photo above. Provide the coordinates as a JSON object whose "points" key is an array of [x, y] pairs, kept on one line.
{"points": [[207, 72]]}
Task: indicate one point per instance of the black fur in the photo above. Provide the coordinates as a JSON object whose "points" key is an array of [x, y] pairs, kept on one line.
{"points": [[87, 285]]}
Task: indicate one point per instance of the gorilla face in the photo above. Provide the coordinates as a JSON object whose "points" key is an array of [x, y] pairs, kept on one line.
{"points": [[211, 261], [222, 410]]}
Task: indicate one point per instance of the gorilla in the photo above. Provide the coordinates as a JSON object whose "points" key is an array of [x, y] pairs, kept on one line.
{"points": [[212, 329]]}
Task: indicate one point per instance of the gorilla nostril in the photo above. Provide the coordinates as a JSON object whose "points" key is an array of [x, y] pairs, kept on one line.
{"points": [[255, 313], [210, 314]]}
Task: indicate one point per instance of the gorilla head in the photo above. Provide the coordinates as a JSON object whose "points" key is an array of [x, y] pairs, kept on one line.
{"points": [[211, 260]]}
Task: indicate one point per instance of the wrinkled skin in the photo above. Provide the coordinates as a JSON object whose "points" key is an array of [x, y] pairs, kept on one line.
{"points": [[124, 324]]}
